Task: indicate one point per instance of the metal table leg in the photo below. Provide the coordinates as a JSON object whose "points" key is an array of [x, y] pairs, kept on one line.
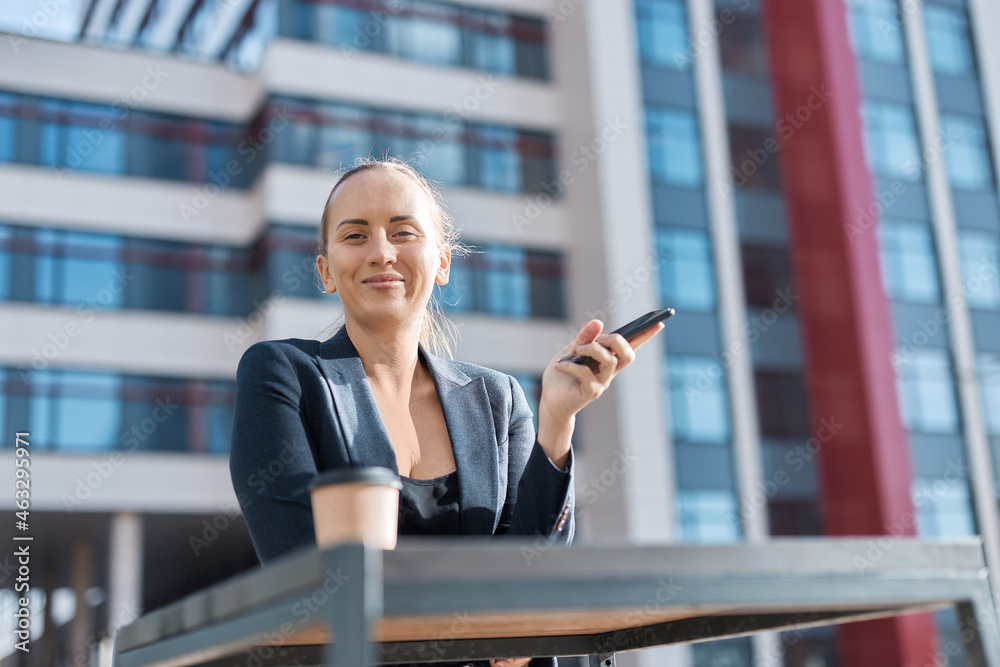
{"points": [[980, 629], [605, 660], [354, 605]]}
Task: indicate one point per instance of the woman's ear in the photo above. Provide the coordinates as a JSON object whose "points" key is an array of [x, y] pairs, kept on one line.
{"points": [[324, 273], [444, 268]]}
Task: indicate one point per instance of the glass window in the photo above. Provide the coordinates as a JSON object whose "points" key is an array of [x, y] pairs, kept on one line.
{"points": [[988, 365], [979, 254], [968, 155], [948, 40], [924, 381], [686, 269], [875, 30], [441, 150], [708, 516], [435, 33], [490, 45], [781, 404], [46, 244], [767, 274], [93, 142], [699, 407], [343, 136], [748, 168], [7, 126], [909, 271], [6, 236], [741, 44], [89, 411], [93, 271], [43, 385], [507, 283], [663, 33], [674, 148], [497, 159], [891, 140], [943, 508]]}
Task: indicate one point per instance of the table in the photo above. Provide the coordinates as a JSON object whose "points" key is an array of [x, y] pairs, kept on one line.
{"points": [[439, 599]]}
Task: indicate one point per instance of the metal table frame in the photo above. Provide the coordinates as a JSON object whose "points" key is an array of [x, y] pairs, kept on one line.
{"points": [[780, 584]]}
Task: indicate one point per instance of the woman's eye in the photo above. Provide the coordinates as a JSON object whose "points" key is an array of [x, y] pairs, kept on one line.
{"points": [[354, 235]]}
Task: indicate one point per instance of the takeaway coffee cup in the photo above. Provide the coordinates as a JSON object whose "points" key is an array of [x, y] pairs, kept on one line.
{"points": [[356, 505]]}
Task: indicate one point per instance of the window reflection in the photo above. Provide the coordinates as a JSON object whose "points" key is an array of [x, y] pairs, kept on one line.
{"points": [[708, 515], [698, 400], [948, 40], [891, 140], [925, 384], [70, 410], [433, 32], [876, 31], [988, 367], [663, 33], [968, 155], [674, 148], [909, 270], [943, 507], [979, 253], [686, 269]]}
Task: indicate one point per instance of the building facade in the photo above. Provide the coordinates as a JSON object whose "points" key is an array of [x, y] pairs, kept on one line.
{"points": [[812, 184]]}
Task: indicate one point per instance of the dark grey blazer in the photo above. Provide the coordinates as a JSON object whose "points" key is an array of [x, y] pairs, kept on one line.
{"points": [[304, 406]]}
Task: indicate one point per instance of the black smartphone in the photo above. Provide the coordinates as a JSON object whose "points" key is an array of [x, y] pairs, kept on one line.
{"points": [[628, 331]]}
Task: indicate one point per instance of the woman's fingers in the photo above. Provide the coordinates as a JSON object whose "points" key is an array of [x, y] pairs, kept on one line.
{"points": [[510, 662], [638, 341]]}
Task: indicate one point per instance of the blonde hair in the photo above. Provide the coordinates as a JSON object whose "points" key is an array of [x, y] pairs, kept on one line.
{"points": [[437, 332]]}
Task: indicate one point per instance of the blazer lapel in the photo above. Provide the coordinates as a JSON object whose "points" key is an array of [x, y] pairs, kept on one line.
{"points": [[354, 408], [467, 414]]}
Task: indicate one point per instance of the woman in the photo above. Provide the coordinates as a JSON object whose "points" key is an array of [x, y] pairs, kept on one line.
{"points": [[460, 435]]}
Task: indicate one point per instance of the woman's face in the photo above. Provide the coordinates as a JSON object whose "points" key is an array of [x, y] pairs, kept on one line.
{"points": [[384, 252]]}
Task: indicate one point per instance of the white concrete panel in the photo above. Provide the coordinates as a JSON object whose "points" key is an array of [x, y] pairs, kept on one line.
{"points": [[311, 70], [123, 481], [297, 195], [131, 206], [130, 79], [36, 337]]}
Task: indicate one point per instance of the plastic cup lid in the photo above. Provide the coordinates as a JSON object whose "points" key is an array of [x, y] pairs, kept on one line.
{"points": [[371, 475]]}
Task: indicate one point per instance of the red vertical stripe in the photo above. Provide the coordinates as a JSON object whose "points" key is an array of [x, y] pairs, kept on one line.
{"points": [[865, 469]]}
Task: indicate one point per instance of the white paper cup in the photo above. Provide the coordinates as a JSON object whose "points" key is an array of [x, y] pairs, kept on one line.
{"points": [[356, 506]]}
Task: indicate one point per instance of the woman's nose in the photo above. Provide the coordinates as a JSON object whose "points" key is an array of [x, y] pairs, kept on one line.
{"points": [[382, 250]]}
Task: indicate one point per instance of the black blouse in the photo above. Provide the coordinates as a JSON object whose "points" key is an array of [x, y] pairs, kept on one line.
{"points": [[429, 506]]}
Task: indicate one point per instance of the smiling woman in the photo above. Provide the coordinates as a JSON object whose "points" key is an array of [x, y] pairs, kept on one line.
{"points": [[380, 393]]}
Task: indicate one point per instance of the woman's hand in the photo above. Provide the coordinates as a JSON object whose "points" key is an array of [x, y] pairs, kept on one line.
{"points": [[510, 662], [568, 387]]}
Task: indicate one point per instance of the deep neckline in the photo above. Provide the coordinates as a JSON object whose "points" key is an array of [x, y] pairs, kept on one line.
{"points": [[427, 482]]}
